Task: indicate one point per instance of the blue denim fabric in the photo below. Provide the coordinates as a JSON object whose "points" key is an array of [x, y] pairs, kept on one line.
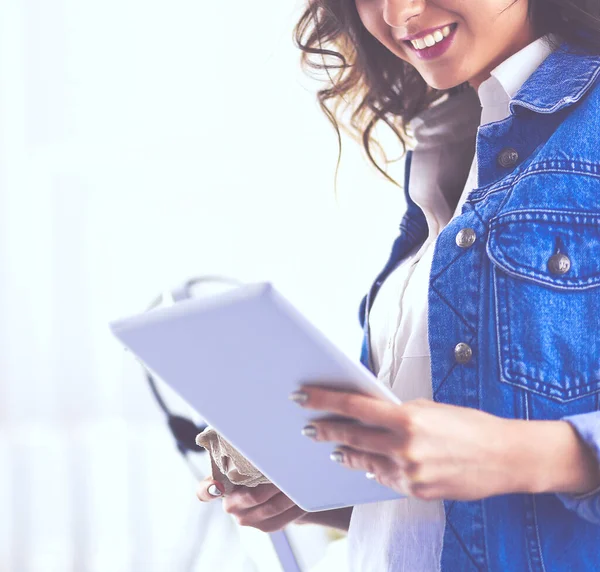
{"points": [[534, 332]]}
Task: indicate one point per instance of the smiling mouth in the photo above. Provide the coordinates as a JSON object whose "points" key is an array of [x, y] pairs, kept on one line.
{"points": [[424, 46]]}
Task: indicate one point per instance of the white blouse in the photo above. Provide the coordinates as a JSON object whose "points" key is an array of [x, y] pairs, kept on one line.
{"points": [[407, 535]]}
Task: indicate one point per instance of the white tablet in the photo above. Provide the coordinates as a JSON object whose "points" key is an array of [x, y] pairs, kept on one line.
{"points": [[235, 358]]}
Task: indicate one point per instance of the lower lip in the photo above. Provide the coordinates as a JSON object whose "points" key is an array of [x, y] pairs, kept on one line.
{"points": [[437, 49]]}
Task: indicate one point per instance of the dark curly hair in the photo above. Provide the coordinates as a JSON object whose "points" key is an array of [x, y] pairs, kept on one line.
{"points": [[368, 84]]}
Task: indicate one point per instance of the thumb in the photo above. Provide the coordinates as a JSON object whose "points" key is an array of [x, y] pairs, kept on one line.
{"points": [[209, 490]]}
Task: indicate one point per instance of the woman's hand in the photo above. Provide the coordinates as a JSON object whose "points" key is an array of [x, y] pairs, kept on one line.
{"points": [[436, 451], [264, 507]]}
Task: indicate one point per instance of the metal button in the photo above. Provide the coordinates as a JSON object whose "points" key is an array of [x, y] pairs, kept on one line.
{"points": [[466, 237], [508, 157], [463, 353], [559, 263]]}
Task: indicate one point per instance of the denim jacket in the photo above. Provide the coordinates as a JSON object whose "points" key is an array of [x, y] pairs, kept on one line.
{"points": [[514, 308]]}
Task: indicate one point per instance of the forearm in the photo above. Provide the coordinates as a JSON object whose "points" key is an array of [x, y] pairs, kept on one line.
{"points": [[338, 518]]}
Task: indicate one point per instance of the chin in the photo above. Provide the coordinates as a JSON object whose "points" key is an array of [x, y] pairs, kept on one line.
{"points": [[444, 83]]}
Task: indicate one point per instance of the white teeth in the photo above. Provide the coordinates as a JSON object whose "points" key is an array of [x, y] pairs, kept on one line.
{"points": [[431, 39]]}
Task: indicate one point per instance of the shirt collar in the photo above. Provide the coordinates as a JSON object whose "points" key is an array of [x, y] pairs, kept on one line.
{"points": [[507, 78], [513, 72]]}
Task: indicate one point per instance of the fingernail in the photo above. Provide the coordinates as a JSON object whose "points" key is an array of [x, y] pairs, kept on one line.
{"points": [[370, 475], [214, 491], [310, 431], [337, 457], [299, 397]]}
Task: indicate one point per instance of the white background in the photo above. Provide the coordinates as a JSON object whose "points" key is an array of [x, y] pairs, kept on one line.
{"points": [[141, 143]]}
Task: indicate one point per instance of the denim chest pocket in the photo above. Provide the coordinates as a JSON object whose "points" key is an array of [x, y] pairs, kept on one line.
{"points": [[546, 272]]}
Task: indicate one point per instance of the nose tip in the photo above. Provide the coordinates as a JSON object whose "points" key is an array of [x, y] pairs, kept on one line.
{"points": [[391, 22], [391, 18], [397, 13]]}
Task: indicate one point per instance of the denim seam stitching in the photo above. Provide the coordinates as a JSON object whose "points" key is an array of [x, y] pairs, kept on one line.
{"points": [[550, 163], [567, 286], [569, 398], [461, 543], [486, 557], [576, 393], [515, 268], [435, 393], [519, 215], [498, 332], [535, 519], [557, 170], [508, 331], [575, 166], [451, 505], [501, 184], [540, 215], [478, 198], [533, 169], [433, 278], [479, 217], [586, 85], [485, 546], [506, 367], [465, 323]]}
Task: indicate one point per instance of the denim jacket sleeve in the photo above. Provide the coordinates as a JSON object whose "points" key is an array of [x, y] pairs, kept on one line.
{"points": [[587, 506]]}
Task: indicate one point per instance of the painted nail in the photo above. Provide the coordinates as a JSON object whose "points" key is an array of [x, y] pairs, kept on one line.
{"points": [[299, 397], [214, 491], [310, 431], [370, 475], [337, 457]]}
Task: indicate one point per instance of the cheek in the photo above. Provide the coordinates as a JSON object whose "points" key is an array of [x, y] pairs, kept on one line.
{"points": [[370, 13]]}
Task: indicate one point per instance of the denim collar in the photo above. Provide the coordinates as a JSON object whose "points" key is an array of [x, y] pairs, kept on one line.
{"points": [[561, 80]]}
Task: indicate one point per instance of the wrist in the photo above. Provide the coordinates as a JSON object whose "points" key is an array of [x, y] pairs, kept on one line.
{"points": [[550, 457], [523, 463], [580, 467]]}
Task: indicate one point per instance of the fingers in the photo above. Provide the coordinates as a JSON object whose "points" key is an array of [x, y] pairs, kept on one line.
{"points": [[270, 509], [357, 437], [280, 521], [409, 480], [368, 410], [246, 498], [264, 507], [367, 462], [209, 490]]}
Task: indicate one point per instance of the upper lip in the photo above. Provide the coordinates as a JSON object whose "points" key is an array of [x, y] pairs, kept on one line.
{"points": [[424, 33]]}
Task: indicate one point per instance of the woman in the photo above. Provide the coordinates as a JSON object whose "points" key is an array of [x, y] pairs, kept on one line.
{"points": [[484, 321]]}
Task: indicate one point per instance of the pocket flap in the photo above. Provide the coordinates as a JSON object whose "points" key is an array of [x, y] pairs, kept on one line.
{"points": [[522, 242]]}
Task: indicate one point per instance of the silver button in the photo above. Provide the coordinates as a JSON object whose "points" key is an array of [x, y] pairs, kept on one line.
{"points": [[559, 263], [508, 157], [463, 353], [466, 237]]}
